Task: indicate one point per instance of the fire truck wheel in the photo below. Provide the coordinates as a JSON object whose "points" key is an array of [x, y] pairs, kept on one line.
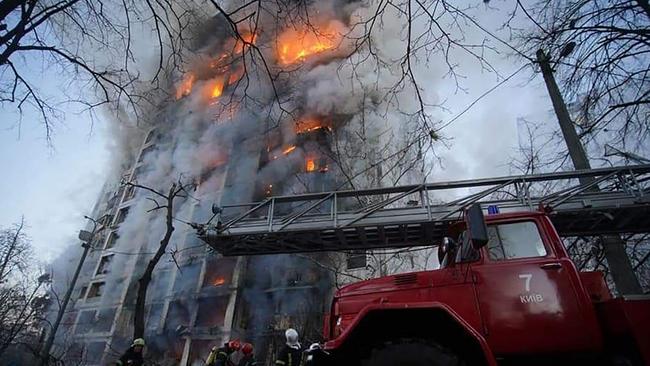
{"points": [[412, 353]]}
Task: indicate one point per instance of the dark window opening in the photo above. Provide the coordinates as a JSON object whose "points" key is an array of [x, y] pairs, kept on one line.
{"points": [[211, 312], [82, 293], [130, 193], [104, 265], [112, 239], [356, 259], [218, 272], [121, 215], [96, 290]]}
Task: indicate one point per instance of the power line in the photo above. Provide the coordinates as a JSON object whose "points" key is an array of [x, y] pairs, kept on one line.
{"points": [[483, 96]]}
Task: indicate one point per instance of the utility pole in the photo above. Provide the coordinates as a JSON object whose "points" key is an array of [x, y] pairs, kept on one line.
{"points": [[613, 245], [87, 238]]}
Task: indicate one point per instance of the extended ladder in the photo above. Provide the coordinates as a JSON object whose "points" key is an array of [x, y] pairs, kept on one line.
{"points": [[417, 215]]}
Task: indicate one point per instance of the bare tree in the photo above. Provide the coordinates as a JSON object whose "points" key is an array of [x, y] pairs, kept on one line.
{"points": [[165, 202], [600, 52], [23, 299], [537, 153], [67, 36]]}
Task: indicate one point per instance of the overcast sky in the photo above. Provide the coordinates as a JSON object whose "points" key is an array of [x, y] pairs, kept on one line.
{"points": [[54, 187]]}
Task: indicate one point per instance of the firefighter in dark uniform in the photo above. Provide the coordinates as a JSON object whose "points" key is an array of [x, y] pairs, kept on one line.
{"points": [[133, 355], [291, 353], [221, 356], [249, 357]]}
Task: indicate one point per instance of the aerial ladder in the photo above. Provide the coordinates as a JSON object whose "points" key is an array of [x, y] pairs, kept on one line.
{"points": [[418, 215], [527, 304]]}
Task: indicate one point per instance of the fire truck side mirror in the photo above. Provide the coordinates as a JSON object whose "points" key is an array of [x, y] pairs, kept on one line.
{"points": [[476, 227], [447, 246]]}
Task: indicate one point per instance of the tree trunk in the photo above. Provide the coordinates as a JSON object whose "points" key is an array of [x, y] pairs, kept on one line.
{"points": [[145, 279]]}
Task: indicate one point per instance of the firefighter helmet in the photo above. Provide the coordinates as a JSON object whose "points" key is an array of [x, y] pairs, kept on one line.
{"points": [[292, 336], [247, 348], [138, 342], [234, 344]]}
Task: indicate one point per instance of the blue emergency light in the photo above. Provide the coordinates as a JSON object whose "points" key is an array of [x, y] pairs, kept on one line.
{"points": [[493, 209]]}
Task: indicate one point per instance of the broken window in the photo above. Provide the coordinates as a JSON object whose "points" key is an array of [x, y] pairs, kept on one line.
{"points": [[356, 259], [212, 311], [218, 272], [104, 264], [121, 215], [96, 290], [178, 316], [112, 239]]}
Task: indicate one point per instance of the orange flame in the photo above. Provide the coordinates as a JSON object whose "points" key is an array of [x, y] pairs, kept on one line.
{"points": [[219, 281], [296, 45], [311, 165], [288, 150], [309, 125], [248, 39], [185, 87], [217, 89]]}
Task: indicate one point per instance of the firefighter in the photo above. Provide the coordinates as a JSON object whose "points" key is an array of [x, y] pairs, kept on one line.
{"points": [[249, 357], [221, 356], [291, 353], [133, 355]]}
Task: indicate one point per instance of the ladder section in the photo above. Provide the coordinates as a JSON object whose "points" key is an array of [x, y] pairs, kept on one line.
{"points": [[611, 200]]}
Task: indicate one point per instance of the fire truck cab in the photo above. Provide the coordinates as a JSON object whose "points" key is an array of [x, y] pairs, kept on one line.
{"points": [[506, 293]]}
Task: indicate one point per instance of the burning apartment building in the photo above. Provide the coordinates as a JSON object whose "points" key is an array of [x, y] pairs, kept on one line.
{"points": [[235, 133]]}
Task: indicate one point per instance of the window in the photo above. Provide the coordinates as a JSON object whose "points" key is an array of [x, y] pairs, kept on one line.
{"points": [[106, 219], [356, 259], [517, 240], [82, 293], [112, 239], [121, 215], [104, 265], [96, 290], [130, 193]]}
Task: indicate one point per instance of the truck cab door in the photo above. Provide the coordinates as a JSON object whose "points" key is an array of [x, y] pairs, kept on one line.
{"points": [[529, 297]]}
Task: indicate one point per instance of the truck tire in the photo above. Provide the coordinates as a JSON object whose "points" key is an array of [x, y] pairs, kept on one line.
{"points": [[412, 353]]}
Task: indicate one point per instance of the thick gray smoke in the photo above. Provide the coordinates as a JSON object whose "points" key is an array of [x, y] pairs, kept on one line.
{"points": [[237, 133]]}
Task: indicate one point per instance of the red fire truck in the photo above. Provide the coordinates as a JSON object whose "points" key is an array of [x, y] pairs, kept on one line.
{"points": [[506, 293]]}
